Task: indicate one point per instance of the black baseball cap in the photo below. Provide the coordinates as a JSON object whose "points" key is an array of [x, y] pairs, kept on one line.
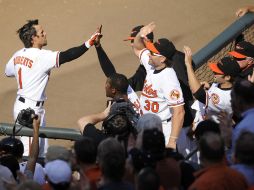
{"points": [[162, 47], [135, 31], [226, 66], [243, 49]]}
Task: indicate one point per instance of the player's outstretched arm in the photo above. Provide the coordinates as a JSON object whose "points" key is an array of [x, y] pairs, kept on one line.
{"points": [[138, 44], [76, 52], [193, 81], [105, 63], [33, 155], [242, 11], [93, 118]]}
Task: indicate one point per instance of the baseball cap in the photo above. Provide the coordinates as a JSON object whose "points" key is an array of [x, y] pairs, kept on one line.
{"points": [[57, 153], [135, 31], [226, 66], [243, 49], [58, 171], [162, 47]]}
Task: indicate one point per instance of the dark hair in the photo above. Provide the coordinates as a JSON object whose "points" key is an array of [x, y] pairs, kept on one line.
{"points": [[244, 148], [148, 179], [244, 90], [27, 31], [85, 150], [206, 126], [113, 165], [211, 147], [119, 82], [168, 62], [10, 162], [111, 158], [153, 145], [60, 186], [13, 146], [152, 150]]}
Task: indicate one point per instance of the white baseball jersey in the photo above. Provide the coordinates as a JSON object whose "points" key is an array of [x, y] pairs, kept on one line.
{"points": [[161, 90], [31, 67], [133, 98], [217, 100]]}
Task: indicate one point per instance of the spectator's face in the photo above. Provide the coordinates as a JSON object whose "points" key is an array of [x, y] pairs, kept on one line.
{"points": [[219, 78], [108, 89], [156, 60]]}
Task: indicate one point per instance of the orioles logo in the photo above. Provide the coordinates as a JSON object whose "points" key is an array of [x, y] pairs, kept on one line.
{"points": [[148, 91], [174, 94], [215, 98]]}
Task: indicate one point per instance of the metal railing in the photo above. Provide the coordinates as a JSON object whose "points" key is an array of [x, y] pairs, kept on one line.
{"points": [[45, 132]]}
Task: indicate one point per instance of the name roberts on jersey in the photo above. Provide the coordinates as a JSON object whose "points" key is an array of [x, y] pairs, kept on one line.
{"points": [[23, 61]]}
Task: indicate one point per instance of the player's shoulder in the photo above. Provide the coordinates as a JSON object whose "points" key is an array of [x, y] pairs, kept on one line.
{"points": [[144, 52], [46, 51], [169, 71]]}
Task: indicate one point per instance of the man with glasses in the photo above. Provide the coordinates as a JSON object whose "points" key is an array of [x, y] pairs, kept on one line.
{"points": [[161, 94]]}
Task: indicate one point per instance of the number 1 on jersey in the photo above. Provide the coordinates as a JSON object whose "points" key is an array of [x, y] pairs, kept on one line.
{"points": [[20, 78]]}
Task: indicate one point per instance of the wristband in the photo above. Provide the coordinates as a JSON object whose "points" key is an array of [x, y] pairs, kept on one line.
{"points": [[87, 44]]}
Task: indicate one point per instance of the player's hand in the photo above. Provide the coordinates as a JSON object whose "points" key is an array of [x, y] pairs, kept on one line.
{"points": [[147, 29], [36, 122], [242, 11], [205, 84], [97, 41], [91, 40], [188, 56]]}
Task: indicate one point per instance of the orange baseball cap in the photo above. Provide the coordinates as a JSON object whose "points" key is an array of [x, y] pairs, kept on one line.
{"points": [[226, 66], [162, 47]]}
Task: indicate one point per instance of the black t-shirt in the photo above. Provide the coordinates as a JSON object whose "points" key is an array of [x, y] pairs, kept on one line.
{"points": [[181, 72], [91, 131], [121, 185], [246, 72]]}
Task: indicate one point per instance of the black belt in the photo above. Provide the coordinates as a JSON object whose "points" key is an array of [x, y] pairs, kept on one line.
{"points": [[38, 103]]}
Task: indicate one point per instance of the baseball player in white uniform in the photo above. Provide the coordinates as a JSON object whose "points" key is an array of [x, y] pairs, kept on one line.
{"points": [[161, 94], [217, 97], [31, 67]]}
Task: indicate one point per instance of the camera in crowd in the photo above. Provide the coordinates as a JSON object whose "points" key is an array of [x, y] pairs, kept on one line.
{"points": [[121, 120], [26, 116]]}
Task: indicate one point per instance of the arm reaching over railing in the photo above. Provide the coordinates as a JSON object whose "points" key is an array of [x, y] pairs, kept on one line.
{"points": [[34, 152], [243, 10]]}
